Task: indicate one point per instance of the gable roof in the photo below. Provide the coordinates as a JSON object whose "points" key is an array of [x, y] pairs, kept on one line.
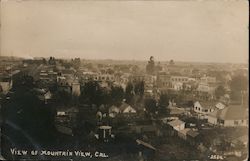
{"points": [[123, 106], [175, 123], [207, 105], [232, 112], [185, 131], [192, 133], [140, 142], [220, 105]]}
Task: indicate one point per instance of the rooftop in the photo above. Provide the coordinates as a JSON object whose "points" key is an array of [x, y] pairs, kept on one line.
{"points": [[175, 123], [232, 112], [192, 133]]}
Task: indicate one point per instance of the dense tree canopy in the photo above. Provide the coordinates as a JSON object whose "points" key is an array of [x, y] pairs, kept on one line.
{"points": [[129, 92], [117, 95], [220, 91], [238, 84], [139, 88], [150, 105], [164, 100], [25, 111]]}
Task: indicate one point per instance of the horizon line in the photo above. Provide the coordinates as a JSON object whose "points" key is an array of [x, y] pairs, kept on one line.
{"points": [[115, 59]]}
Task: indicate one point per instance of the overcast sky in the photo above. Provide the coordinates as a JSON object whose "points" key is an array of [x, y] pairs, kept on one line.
{"points": [[210, 31]]}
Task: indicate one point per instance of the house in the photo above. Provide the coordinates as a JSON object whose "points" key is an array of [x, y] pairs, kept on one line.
{"points": [[220, 105], [231, 116], [66, 116], [190, 135], [65, 120], [47, 97], [225, 99], [193, 137], [177, 86], [163, 80], [208, 79], [5, 84], [43, 94], [183, 133], [126, 108], [177, 124], [181, 79], [207, 85], [202, 109]]}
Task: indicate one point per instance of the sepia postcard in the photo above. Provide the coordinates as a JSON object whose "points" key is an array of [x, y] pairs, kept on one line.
{"points": [[124, 80]]}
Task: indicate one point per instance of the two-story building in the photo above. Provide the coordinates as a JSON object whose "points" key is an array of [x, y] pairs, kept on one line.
{"points": [[202, 109]]}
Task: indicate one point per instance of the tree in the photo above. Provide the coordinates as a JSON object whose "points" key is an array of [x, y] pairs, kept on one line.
{"points": [[44, 61], [23, 81], [150, 105], [76, 63], [164, 100], [238, 84], [92, 93], [129, 92], [171, 62], [150, 68], [117, 95], [52, 61], [62, 97], [220, 91], [163, 104], [158, 67], [139, 88], [25, 111]]}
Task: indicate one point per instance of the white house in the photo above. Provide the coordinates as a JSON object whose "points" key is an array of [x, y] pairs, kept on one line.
{"points": [[5, 86], [177, 124], [203, 108], [207, 88], [231, 116], [47, 96]]}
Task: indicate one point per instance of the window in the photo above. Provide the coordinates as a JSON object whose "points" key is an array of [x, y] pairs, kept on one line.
{"points": [[221, 122]]}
